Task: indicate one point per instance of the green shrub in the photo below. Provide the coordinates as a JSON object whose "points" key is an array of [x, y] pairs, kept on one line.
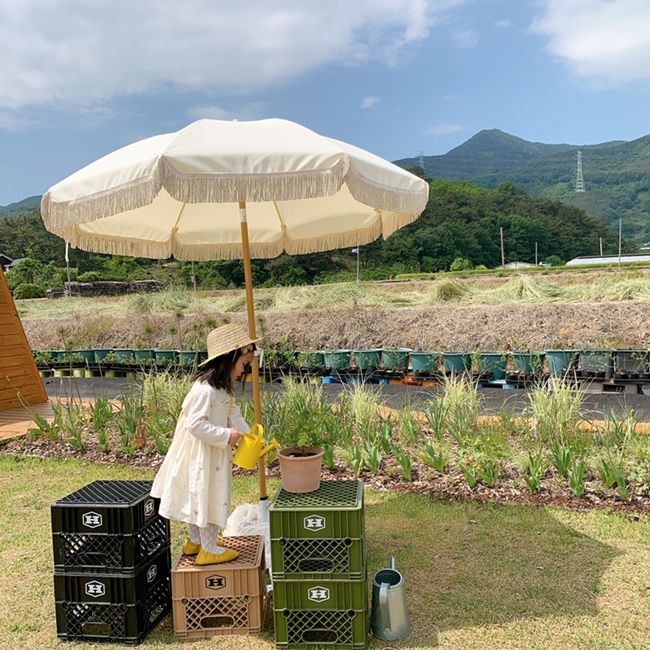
{"points": [[89, 276], [28, 290]]}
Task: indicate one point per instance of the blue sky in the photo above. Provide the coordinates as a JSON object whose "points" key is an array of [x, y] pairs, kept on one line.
{"points": [[397, 77]]}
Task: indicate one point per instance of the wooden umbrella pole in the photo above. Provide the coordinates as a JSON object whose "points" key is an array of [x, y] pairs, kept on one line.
{"points": [[250, 307]]}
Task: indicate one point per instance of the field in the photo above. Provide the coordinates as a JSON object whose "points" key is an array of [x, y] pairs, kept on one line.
{"points": [[594, 308]]}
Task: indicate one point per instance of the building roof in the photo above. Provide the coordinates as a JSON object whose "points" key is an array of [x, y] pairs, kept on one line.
{"points": [[608, 259]]}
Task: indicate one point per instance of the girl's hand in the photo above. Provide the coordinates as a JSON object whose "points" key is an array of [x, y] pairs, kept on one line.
{"points": [[235, 436]]}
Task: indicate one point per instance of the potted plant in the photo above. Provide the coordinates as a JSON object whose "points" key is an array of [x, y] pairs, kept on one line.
{"points": [[306, 414]]}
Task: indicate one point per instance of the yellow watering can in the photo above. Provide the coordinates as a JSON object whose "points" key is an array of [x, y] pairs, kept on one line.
{"points": [[251, 448]]}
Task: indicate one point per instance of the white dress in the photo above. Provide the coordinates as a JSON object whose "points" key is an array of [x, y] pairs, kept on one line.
{"points": [[194, 483]]}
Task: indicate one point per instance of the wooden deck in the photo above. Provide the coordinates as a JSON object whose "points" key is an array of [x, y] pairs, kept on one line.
{"points": [[16, 422]]}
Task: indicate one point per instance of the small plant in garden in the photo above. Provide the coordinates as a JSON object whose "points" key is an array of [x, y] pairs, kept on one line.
{"points": [[101, 412], [385, 435], [372, 456], [563, 458], [535, 469], [611, 469], [130, 420], [409, 426], [74, 421], [618, 432], [556, 408], [49, 430], [468, 468], [436, 415], [436, 456], [356, 461], [577, 478], [489, 469], [461, 405], [405, 464]]}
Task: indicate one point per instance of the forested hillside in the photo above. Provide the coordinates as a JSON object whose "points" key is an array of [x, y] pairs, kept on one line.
{"points": [[459, 229], [616, 174]]}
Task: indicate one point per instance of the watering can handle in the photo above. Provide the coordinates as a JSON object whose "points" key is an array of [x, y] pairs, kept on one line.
{"points": [[392, 563], [383, 604]]}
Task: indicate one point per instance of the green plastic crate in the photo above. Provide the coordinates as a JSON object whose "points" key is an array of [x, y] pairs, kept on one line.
{"points": [[309, 629], [334, 511], [320, 594], [306, 559]]}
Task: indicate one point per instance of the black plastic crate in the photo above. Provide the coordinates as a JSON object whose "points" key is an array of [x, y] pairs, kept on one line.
{"points": [[105, 552], [105, 507], [112, 588], [103, 622]]}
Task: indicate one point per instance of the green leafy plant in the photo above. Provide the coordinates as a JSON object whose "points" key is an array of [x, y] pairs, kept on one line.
{"points": [[563, 458], [535, 469], [372, 456], [436, 456], [611, 469], [577, 478], [356, 461], [74, 422], [405, 464], [409, 426]]}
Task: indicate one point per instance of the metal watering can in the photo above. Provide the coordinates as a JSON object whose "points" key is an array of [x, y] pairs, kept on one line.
{"points": [[390, 618], [252, 447]]}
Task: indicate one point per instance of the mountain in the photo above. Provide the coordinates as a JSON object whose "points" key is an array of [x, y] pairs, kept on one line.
{"points": [[616, 174], [26, 205]]}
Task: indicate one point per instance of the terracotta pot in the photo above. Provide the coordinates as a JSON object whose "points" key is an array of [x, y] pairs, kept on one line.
{"points": [[300, 468]]}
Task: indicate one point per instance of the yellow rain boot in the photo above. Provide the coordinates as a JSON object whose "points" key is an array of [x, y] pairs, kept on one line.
{"points": [[228, 555], [190, 548]]}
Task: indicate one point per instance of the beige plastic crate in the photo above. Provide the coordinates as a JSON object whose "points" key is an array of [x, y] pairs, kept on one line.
{"points": [[222, 598]]}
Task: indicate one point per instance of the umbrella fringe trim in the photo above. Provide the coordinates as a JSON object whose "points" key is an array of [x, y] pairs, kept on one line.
{"points": [[400, 201], [60, 215], [231, 188]]}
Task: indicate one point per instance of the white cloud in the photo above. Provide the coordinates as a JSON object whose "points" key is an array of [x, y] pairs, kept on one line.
{"points": [[503, 24], [369, 102], [250, 111], [602, 40], [443, 129], [465, 39], [77, 53]]}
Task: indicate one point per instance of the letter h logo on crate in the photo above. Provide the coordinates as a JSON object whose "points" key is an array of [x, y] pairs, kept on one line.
{"points": [[315, 522], [215, 582], [95, 588], [91, 519], [149, 508], [318, 594]]}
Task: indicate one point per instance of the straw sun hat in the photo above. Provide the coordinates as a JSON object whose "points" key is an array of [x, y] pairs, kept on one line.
{"points": [[225, 339]]}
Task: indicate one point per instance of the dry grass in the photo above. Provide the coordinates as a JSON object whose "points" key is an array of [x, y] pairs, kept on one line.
{"points": [[477, 576]]}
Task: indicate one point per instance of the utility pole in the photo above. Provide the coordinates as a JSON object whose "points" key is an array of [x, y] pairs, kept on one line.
{"points": [[600, 239], [535, 253], [620, 240], [503, 257], [193, 277], [356, 250], [580, 181]]}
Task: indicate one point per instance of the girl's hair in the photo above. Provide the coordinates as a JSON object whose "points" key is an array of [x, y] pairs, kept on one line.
{"points": [[217, 371]]}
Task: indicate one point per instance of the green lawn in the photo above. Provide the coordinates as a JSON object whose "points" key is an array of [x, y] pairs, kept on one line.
{"points": [[477, 576]]}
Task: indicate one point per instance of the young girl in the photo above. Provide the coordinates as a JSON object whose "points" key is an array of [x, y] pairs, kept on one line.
{"points": [[194, 483]]}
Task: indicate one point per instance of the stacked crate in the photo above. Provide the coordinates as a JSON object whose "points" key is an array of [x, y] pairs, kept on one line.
{"points": [[112, 562], [319, 569], [217, 599]]}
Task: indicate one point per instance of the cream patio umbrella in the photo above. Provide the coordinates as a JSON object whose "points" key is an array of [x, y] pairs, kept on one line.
{"points": [[228, 189]]}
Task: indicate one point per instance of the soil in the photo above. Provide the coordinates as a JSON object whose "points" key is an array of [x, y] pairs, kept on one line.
{"points": [[447, 487]]}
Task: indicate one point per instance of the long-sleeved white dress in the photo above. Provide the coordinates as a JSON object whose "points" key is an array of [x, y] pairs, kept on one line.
{"points": [[194, 483]]}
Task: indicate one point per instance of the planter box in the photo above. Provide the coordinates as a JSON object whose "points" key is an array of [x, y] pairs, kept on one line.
{"points": [[528, 362], [493, 363], [395, 359], [425, 361], [364, 359], [338, 359], [312, 359], [561, 362], [457, 362]]}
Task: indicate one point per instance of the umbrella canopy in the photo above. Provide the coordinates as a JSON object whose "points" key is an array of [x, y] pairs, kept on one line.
{"points": [[178, 194], [222, 190]]}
